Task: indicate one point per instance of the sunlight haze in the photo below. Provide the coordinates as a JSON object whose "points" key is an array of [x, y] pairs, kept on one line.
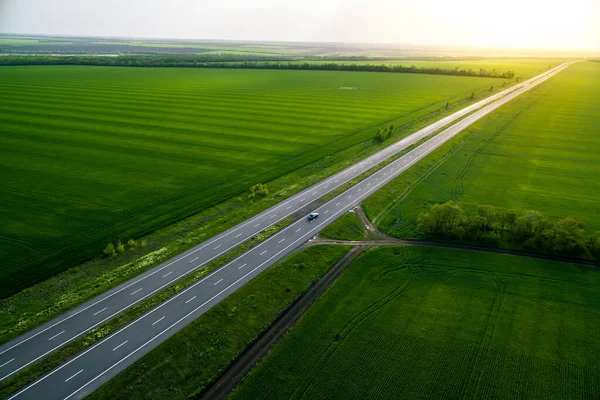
{"points": [[539, 24]]}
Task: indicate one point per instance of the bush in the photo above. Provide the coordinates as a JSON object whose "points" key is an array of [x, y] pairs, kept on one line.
{"points": [[132, 244], [109, 250], [259, 189], [120, 247]]}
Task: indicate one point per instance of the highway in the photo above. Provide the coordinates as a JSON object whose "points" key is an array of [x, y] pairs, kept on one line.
{"points": [[90, 369]]}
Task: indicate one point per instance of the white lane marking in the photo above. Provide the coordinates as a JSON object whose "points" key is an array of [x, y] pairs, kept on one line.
{"points": [[136, 291], [368, 183], [217, 282], [359, 189], [338, 203], [58, 334], [238, 235], [273, 216], [98, 312], [8, 362], [191, 261], [288, 207], [349, 196], [337, 181], [215, 248], [282, 240], [302, 199], [263, 252], [73, 376], [325, 212], [120, 345], [158, 320], [190, 299], [326, 186], [439, 123], [257, 225], [298, 230], [315, 192], [242, 266], [167, 274]]}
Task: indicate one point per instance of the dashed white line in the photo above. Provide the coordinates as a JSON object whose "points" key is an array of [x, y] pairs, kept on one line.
{"points": [[288, 207], [242, 266], [158, 320], [298, 230], [325, 212], [282, 240], [217, 282], [238, 235], [98, 312], [8, 362], [263, 252], [167, 274], [337, 181], [349, 196], [73, 376], [273, 216], [191, 261], [338, 203], [302, 199], [120, 345], [58, 334], [257, 225], [190, 299], [359, 189], [136, 291], [215, 248]]}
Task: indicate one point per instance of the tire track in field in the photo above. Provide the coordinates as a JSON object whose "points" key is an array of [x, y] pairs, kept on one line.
{"points": [[347, 330], [458, 186], [121, 211], [487, 333]]}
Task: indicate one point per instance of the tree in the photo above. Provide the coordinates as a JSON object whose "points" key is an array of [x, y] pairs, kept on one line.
{"points": [[594, 245], [109, 250], [488, 215], [507, 220], [441, 219], [120, 247], [260, 189], [132, 244], [569, 236]]}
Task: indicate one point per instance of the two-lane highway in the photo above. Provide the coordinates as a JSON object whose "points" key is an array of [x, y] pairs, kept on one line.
{"points": [[105, 359]]}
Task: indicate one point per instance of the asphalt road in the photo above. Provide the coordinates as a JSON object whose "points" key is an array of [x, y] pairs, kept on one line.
{"points": [[90, 369]]}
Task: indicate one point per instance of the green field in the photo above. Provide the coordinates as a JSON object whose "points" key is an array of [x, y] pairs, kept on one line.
{"points": [[434, 323], [95, 154], [539, 152]]}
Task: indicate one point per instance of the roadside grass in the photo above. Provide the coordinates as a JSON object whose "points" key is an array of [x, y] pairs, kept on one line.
{"points": [[438, 323], [347, 227], [538, 152], [36, 370], [116, 153], [185, 364]]}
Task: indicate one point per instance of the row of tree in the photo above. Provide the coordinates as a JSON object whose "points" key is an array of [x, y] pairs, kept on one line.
{"points": [[530, 229], [112, 250], [240, 61]]}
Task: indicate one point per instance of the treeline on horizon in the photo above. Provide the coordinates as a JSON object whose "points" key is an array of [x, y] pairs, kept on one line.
{"points": [[240, 62], [528, 229]]}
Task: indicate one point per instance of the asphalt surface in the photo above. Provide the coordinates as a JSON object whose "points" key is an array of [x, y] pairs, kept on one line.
{"points": [[91, 368]]}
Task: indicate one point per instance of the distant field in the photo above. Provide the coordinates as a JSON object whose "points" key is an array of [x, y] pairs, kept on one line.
{"points": [[540, 152], [95, 154], [433, 323]]}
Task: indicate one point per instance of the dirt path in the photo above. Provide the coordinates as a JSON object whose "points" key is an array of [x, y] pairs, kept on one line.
{"points": [[256, 351]]}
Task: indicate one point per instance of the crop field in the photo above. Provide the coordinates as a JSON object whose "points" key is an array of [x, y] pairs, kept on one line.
{"points": [[540, 152], [435, 323], [96, 154]]}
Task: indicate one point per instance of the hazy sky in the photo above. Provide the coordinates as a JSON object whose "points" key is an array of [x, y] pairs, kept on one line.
{"points": [[572, 24]]}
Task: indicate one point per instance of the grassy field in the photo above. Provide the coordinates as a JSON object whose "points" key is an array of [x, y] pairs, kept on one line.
{"points": [[187, 362], [433, 323], [538, 152], [95, 154], [347, 227]]}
